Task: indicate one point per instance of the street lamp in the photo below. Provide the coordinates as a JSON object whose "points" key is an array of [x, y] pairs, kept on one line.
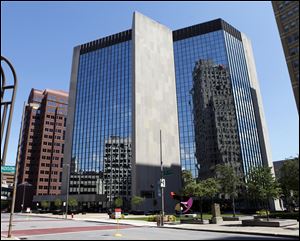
{"points": [[15, 177], [24, 184]]}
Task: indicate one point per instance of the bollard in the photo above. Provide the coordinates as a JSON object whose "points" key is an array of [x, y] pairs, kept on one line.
{"points": [[158, 221]]}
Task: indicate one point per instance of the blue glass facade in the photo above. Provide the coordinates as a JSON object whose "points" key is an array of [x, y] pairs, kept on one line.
{"points": [[246, 120], [187, 52], [223, 48], [102, 114]]}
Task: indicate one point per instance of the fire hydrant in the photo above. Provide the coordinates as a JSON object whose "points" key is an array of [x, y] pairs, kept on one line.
{"points": [[72, 215]]}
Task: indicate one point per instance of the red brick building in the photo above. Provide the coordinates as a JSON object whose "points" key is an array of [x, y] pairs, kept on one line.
{"points": [[42, 147]]}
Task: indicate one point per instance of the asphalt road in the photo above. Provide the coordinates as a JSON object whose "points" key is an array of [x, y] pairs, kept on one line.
{"points": [[36, 228]]}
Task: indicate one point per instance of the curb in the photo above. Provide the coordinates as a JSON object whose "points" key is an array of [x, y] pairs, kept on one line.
{"points": [[239, 232]]}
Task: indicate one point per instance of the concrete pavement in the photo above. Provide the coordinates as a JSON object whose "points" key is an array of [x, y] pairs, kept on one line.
{"points": [[228, 226], [49, 228]]}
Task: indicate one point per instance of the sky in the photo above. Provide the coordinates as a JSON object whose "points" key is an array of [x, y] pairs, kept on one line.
{"points": [[38, 38]]}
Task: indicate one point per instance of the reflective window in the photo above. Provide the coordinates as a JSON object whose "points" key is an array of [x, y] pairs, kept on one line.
{"points": [[102, 118], [222, 49]]}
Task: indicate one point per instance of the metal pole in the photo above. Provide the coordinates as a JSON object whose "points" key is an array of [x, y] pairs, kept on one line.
{"points": [[162, 189], [10, 111], [23, 198], [3, 120], [67, 201], [12, 209]]}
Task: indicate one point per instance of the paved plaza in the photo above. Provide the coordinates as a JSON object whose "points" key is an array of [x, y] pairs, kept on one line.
{"points": [[32, 227]]}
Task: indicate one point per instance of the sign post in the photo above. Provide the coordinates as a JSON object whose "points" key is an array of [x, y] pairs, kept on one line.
{"points": [[118, 215]]}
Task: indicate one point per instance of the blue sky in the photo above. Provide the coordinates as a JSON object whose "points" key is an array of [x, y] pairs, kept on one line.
{"points": [[38, 38]]}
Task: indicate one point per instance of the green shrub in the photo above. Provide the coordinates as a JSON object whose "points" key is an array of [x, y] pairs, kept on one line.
{"points": [[262, 212], [171, 218], [283, 215], [151, 218]]}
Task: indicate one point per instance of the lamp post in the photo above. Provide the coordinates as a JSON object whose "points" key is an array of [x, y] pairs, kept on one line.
{"points": [[24, 184], [12, 209]]}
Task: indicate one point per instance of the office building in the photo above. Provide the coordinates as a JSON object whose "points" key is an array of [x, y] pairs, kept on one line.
{"points": [[8, 175], [42, 147], [7, 178], [287, 18], [125, 85]]}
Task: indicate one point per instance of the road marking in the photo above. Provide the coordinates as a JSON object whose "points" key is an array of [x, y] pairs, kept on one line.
{"points": [[33, 232], [31, 220]]}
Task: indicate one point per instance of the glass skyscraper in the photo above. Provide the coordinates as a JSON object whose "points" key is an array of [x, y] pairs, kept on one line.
{"points": [[101, 108], [221, 43]]}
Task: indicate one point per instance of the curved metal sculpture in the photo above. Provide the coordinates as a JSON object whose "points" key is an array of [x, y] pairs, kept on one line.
{"points": [[5, 106], [182, 206]]}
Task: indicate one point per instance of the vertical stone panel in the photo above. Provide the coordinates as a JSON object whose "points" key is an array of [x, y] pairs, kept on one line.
{"points": [[70, 118], [154, 109]]}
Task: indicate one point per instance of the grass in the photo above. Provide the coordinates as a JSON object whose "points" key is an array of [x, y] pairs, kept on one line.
{"points": [[205, 216], [138, 218]]}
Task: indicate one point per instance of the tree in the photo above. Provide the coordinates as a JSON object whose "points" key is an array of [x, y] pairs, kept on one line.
{"points": [[119, 202], [212, 187], [45, 204], [200, 189], [262, 185], [73, 202], [57, 203], [289, 180], [229, 182], [187, 177], [136, 200]]}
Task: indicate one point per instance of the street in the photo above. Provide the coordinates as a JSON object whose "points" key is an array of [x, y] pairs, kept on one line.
{"points": [[42, 228]]}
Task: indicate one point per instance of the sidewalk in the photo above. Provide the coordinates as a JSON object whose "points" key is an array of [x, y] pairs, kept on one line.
{"points": [[227, 227]]}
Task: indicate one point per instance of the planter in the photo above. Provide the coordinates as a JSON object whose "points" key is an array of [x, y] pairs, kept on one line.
{"points": [[237, 218], [271, 223], [195, 221]]}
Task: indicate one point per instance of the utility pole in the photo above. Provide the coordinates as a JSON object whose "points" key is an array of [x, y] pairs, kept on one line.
{"points": [[12, 209]]}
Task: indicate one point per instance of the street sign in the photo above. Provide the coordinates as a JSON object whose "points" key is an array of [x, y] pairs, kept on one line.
{"points": [[167, 171], [118, 213], [162, 182], [8, 169]]}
